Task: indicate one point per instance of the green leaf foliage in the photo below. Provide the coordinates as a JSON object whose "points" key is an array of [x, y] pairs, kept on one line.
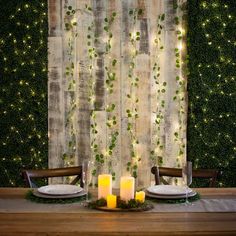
{"points": [[211, 85], [23, 90]]}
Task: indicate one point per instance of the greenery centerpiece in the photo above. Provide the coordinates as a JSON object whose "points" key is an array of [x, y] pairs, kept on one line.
{"points": [[131, 205]]}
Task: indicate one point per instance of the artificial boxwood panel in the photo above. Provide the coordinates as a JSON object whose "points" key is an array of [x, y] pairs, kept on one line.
{"points": [[211, 86], [23, 90]]}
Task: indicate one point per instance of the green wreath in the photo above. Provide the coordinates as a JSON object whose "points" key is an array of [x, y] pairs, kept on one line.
{"points": [[175, 201], [30, 196]]}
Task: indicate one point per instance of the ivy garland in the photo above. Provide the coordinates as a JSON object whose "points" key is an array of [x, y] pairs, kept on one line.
{"points": [[92, 55], [69, 72], [180, 93], [132, 112], [111, 120], [158, 142], [100, 156]]}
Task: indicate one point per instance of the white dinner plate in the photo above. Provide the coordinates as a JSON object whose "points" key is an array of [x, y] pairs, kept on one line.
{"points": [[193, 193], [170, 190], [38, 194], [60, 189]]}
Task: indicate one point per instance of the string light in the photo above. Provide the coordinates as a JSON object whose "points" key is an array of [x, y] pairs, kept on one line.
{"points": [[211, 94], [23, 144], [211, 118]]}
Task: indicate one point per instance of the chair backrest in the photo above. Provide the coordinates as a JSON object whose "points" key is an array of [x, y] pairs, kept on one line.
{"points": [[28, 175], [210, 174]]}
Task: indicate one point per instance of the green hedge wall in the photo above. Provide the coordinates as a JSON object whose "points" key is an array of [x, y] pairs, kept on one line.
{"points": [[211, 86], [23, 90]]}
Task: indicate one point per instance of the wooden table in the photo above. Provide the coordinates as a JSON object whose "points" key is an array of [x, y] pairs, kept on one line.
{"points": [[127, 223]]}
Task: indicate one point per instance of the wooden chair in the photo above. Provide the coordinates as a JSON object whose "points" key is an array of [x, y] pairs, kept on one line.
{"points": [[28, 175], [210, 174]]}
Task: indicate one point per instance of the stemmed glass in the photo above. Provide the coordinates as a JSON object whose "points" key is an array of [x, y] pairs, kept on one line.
{"points": [[187, 178], [86, 166]]}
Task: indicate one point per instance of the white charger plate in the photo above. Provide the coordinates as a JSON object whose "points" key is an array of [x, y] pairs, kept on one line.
{"points": [[59, 189], [193, 193], [170, 190]]}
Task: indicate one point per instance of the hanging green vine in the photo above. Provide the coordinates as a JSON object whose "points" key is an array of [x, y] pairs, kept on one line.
{"points": [[111, 120], [179, 96], [92, 55], [70, 24], [156, 154], [132, 112]]}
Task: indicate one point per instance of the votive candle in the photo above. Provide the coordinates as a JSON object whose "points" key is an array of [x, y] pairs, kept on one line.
{"points": [[140, 196], [111, 201]]}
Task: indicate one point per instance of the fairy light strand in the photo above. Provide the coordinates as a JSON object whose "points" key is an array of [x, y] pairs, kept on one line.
{"points": [[211, 123], [23, 101]]}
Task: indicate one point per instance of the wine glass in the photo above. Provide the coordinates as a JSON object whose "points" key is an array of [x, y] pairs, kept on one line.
{"points": [[187, 178], [86, 166]]}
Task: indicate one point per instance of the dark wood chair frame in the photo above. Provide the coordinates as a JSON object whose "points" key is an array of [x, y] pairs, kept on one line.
{"points": [[159, 172], [28, 175]]}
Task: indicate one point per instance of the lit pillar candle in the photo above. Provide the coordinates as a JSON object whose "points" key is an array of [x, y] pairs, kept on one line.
{"points": [[140, 196], [104, 186], [126, 188], [111, 201]]}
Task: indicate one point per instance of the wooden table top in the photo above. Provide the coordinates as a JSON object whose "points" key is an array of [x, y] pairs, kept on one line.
{"points": [[127, 223]]}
